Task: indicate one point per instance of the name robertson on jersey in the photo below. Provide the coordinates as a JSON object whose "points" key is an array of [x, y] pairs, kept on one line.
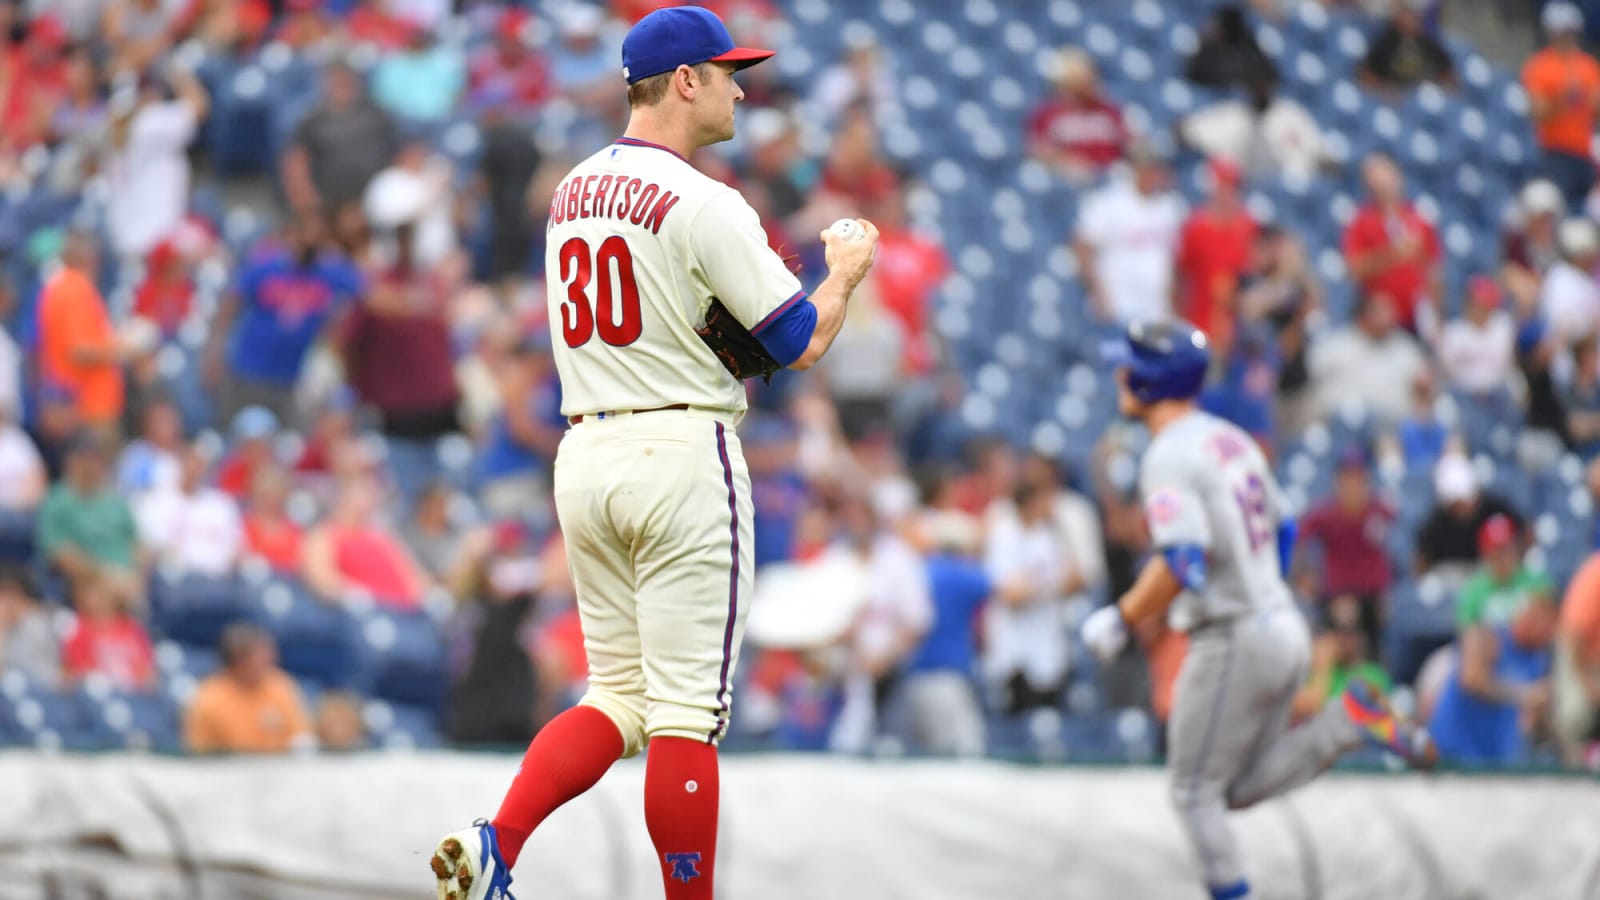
{"points": [[617, 197]]}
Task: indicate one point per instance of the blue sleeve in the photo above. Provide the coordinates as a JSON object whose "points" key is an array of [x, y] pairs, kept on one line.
{"points": [[1188, 564], [787, 334], [1288, 529]]}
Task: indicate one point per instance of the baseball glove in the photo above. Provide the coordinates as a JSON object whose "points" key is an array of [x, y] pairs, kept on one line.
{"points": [[741, 353]]}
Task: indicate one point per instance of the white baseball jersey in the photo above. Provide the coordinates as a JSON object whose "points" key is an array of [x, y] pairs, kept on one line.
{"points": [[639, 243], [1206, 484]]}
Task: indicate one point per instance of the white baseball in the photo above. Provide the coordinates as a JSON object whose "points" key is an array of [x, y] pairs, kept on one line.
{"points": [[847, 230]]}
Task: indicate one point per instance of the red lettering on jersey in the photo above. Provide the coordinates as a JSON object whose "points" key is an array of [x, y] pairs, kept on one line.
{"points": [[653, 221], [558, 206], [600, 190], [647, 197], [628, 192], [572, 199], [588, 194]]}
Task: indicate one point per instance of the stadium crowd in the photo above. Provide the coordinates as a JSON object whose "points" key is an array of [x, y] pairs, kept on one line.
{"points": [[277, 410]]}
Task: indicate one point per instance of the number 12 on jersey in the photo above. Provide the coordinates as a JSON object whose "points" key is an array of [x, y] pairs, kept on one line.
{"points": [[614, 309]]}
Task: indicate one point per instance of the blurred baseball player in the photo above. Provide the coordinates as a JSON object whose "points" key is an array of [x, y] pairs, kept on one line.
{"points": [[666, 294], [1222, 540]]}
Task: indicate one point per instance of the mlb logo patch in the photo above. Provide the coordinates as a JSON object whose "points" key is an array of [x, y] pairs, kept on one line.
{"points": [[1163, 507]]}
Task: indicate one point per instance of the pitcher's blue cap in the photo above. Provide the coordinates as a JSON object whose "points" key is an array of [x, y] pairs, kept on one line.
{"points": [[681, 36]]}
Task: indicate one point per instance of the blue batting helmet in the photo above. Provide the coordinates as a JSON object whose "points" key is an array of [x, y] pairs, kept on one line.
{"points": [[1165, 359]]}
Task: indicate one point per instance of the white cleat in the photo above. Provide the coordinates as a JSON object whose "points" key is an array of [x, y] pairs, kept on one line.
{"points": [[467, 865]]}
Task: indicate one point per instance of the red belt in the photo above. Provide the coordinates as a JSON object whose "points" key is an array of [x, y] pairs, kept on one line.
{"points": [[573, 420]]}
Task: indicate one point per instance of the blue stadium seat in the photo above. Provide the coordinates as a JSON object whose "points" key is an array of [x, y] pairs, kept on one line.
{"points": [[401, 658], [194, 609], [316, 640]]}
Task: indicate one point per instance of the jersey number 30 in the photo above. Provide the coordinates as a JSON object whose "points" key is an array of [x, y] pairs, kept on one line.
{"points": [[614, 311]]}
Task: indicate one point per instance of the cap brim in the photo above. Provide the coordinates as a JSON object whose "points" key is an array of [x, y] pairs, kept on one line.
{"points": [[743, 57]]}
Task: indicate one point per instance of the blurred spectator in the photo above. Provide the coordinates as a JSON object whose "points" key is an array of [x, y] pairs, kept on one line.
{"points": [[147, 169], [942, 704], [191, 527], [1214, 252], [780, 492], [1422, 436], [34, 84], [11, 361], [1544, 429], [415, 194], [1477, 352], [585, 72], [854, 172], [507, 168], [1449, 536], [1025, 653], [887, 631], [305, 25], [166, 295], [775, 161], [1504, 584], [339, 726], [1404, 54], [23, 479], [151, 460], [1365, 362], [1563, 85], [285, 297], [1569, 299], [355, 552], [907, 269], [1351, 528], [494, 691], [1342, 652], [1580, 398], [139, 31], [78, 124], [80, 353], [514, 461], [863, 370], [1576, 677], [1269, 135], [397, 352], [862, 79], [1500, 688], [27, 639], [1228, 55], [251, 705], [1076, 522], [1530, 248], [1077, 131], [420, 83], [509, 75], [269, 533], [431, 535], [252, 431], [1280, 290], [85, 525], [339, 146], [1126, 242], [1391, 249], [105, 640]]}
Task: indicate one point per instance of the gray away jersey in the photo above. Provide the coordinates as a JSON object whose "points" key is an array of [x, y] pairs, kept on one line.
{"points": [[1205, 483]]}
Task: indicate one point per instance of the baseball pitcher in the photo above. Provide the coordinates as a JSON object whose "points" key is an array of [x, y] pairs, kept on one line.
{"points": [[663, 294], [1222, 541]]}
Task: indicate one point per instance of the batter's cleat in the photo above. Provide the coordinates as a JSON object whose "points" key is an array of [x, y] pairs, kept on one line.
{"points": [[468, 866], [1381, 727]]}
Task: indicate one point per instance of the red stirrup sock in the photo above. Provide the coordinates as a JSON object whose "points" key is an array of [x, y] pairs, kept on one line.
{"points": [[566, 758], [680, 810]]}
